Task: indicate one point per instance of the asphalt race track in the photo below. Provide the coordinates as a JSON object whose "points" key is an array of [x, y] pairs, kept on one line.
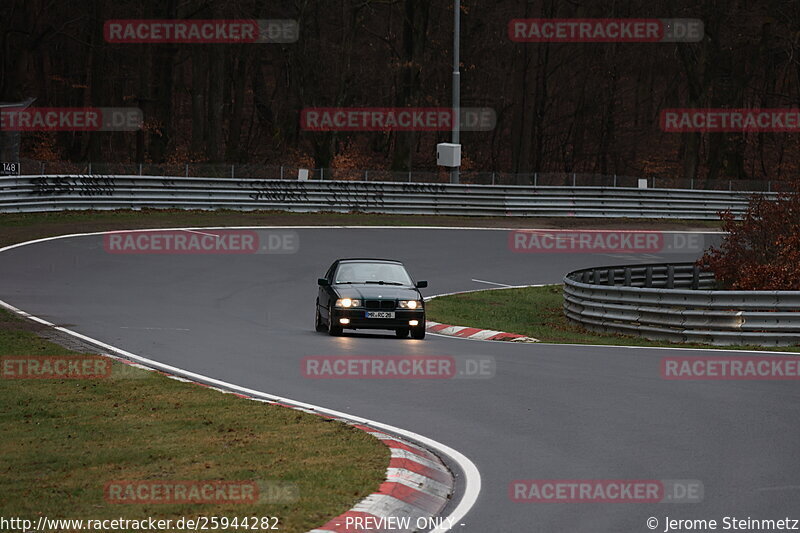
{"points": [[550, 411]]}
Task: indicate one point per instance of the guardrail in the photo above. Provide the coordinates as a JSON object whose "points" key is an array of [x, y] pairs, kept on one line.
{"points": [[471, 177], [54, 193], [677, 303]]}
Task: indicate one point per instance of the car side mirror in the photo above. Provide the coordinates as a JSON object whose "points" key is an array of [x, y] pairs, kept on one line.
{"points": [[323, 282], [421, 284]]}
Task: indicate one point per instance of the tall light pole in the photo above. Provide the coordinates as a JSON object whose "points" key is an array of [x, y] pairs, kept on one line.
{"points": [[449, 154], [454, 177]]}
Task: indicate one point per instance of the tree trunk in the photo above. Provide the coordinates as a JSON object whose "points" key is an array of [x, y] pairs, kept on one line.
{"points": [[164, 57], [415, 27], [235, 131], [215, 103], [199, 89]]}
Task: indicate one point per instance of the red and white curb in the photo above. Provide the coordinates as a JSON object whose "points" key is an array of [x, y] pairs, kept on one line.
{"points": [[478, 334], [417, 487], [466, 332]]}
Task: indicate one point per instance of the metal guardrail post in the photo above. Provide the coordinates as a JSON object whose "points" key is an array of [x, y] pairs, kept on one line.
{"points": [[611, 274], [695, 277], [628, 277], [648, 276], [670, 276]]}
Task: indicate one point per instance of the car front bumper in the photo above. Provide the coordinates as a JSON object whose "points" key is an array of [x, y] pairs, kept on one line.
{"points": [[358, 319]]}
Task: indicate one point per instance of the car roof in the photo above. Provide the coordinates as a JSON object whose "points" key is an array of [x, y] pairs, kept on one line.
{"points": [[369, 259]]}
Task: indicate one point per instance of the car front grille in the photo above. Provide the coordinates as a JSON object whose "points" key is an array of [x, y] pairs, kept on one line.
{"points": [[380, 304]]}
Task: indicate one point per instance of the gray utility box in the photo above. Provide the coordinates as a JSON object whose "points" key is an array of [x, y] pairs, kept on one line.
{"points": [[448, 155]]}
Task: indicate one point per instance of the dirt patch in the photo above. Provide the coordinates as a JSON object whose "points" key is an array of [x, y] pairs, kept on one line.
{"points": [[7, 324]]}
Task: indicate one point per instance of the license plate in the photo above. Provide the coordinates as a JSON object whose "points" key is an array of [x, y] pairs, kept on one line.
{"points": [[380, 314]]}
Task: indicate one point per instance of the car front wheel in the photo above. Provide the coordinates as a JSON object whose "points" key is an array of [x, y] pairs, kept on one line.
{"points": [[418, 332], [318, 325], [333, 329]]}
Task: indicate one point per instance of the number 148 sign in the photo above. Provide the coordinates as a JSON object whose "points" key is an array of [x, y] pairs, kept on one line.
{"points": [[9, 169]]}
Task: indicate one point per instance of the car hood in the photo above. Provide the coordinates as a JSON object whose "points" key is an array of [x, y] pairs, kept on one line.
{"points": [[372, 291]]}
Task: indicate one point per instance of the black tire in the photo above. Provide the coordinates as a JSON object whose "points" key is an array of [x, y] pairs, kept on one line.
{"points": [[318, 325], [418, 332], [333, 330], [401, 333]]}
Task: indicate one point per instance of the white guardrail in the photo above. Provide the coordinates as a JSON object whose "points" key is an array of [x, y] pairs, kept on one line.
{"points": [[677, 303], [64, 192]]}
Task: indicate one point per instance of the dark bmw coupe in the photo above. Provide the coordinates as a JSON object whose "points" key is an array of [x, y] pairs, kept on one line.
{"points": [[370, 294]]}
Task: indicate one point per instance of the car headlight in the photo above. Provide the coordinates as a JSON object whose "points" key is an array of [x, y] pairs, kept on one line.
{"points": [[348, 302], [410, 304]]}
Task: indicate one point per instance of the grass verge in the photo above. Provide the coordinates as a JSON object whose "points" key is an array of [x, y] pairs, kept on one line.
{"points": [[63, 440], [537, 312]]}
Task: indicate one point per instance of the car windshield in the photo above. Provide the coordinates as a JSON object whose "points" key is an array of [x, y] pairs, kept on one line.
{"points": [[390, 273]]}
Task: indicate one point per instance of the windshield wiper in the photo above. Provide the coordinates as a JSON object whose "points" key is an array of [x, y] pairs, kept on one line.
{"points": [[386, 283]]}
